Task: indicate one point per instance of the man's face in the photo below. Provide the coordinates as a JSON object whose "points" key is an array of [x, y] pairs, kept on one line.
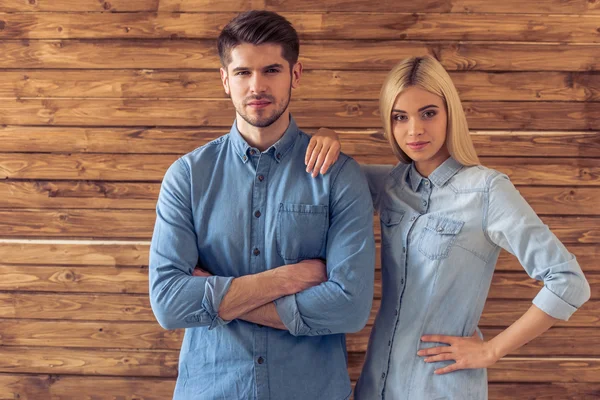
{"points": [[259, 82]]}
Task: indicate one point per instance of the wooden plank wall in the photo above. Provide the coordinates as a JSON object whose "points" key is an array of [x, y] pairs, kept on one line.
{"points": [[98, 97]]}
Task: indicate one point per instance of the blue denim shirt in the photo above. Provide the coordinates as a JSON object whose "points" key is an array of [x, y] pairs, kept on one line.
{"points": [[441, 237], [207, 215]]}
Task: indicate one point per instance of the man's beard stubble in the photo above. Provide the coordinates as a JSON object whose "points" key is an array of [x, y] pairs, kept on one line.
{"points": [[263, 122]]}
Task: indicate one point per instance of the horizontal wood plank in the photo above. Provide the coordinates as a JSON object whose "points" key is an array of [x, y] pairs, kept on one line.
{"points": [[446, 6], [98, 335], [327, 26], [328, 55], [557, 342], [136, 308], [78, 5], [307, 113], [151, 168], [358, 143], [125, 195], [99, 279], [75, 253], [315, 84], [74, 279], [157, 363], [97, 253], [139, 224], [62, 387], [456, 6], [105, 307]]}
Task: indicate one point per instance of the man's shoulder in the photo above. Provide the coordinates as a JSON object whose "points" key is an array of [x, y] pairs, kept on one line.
{"points": [[205, 153]]}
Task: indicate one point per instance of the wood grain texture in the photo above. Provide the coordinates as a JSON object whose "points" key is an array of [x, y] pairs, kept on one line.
{"points": [[139, 224], [557, 342], [156, 363], [329, 55], [74, 253], [361, 142], [325, 26], [98, 253], [151, 168], [315, 84], [307, 113], [124, 195], [62, 387], [365, 6]]}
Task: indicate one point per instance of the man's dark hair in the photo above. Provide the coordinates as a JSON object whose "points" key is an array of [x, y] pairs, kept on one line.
{"points": [[259, 27]]}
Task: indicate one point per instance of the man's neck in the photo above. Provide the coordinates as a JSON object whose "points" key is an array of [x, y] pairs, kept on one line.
{"points": [[263, 138]]}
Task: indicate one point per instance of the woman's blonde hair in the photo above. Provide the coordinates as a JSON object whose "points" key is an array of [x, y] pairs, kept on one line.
{"points": [[428, 74]]}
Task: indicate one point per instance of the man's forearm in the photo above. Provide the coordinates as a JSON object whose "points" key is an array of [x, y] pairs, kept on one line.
{"points": [[265, 315], [249, 292]]}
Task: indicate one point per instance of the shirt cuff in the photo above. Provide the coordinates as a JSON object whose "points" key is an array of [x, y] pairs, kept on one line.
{"points": [[553, 305], [290, 315], [215, 289]]}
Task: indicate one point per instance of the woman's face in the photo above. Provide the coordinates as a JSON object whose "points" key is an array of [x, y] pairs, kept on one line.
{"points": [[419, 122]]}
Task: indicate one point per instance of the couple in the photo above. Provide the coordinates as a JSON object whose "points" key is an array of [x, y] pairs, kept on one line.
{"points": [[267, 267]]}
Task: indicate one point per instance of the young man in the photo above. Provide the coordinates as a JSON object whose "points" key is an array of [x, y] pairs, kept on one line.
{"points": [[286, 260]]}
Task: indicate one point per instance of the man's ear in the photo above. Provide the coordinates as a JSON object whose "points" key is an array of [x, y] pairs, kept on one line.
{"points": [[225, 81], [296, 74]]}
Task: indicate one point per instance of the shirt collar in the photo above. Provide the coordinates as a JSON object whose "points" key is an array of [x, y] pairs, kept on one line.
{"points": [[279, 150], [439, 177]]}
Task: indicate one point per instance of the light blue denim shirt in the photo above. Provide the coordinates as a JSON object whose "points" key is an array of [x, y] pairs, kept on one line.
{"points": [[441, 237], [236, 211]]}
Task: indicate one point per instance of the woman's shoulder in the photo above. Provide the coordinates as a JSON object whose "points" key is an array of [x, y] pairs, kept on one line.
{"points": [[475, 178]]}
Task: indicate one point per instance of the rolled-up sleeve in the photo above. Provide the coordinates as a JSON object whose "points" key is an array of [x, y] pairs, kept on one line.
{"points": [[513, 225], [343, 303], [179, 299]]}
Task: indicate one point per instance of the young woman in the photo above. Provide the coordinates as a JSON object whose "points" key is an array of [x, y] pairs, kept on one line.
{"points": [[444, 219]]}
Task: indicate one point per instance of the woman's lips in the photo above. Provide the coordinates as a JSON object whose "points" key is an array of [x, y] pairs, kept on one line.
{"points": [[417, 145]]}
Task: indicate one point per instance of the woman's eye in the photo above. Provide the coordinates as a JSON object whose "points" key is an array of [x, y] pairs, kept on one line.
{"points": [[400, 117], [429, 114]]}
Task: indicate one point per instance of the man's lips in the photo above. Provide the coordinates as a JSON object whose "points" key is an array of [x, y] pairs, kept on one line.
{"points": [[258, 103]]}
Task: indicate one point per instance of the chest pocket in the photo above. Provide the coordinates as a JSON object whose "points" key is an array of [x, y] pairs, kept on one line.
{"points": [[301, 231], [390, 223], [439, 235]]}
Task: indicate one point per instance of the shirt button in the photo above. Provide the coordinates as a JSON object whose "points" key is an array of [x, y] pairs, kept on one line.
{"points": [[390, 343], [244, 158], [426, 183], [260, 360], [395, 312], [278, 156], [256, 252], [404, 249], [412, 219], [383, 375], [440, 229], [252, 152], [424, 203], [261, 178], [402, 281], [257, 214]]}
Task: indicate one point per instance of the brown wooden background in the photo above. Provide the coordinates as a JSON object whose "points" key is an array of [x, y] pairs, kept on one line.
{"points": [[98, 97]]}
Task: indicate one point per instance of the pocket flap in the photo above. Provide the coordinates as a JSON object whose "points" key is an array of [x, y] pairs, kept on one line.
{"points": [[444, 226], [391, 217]]}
